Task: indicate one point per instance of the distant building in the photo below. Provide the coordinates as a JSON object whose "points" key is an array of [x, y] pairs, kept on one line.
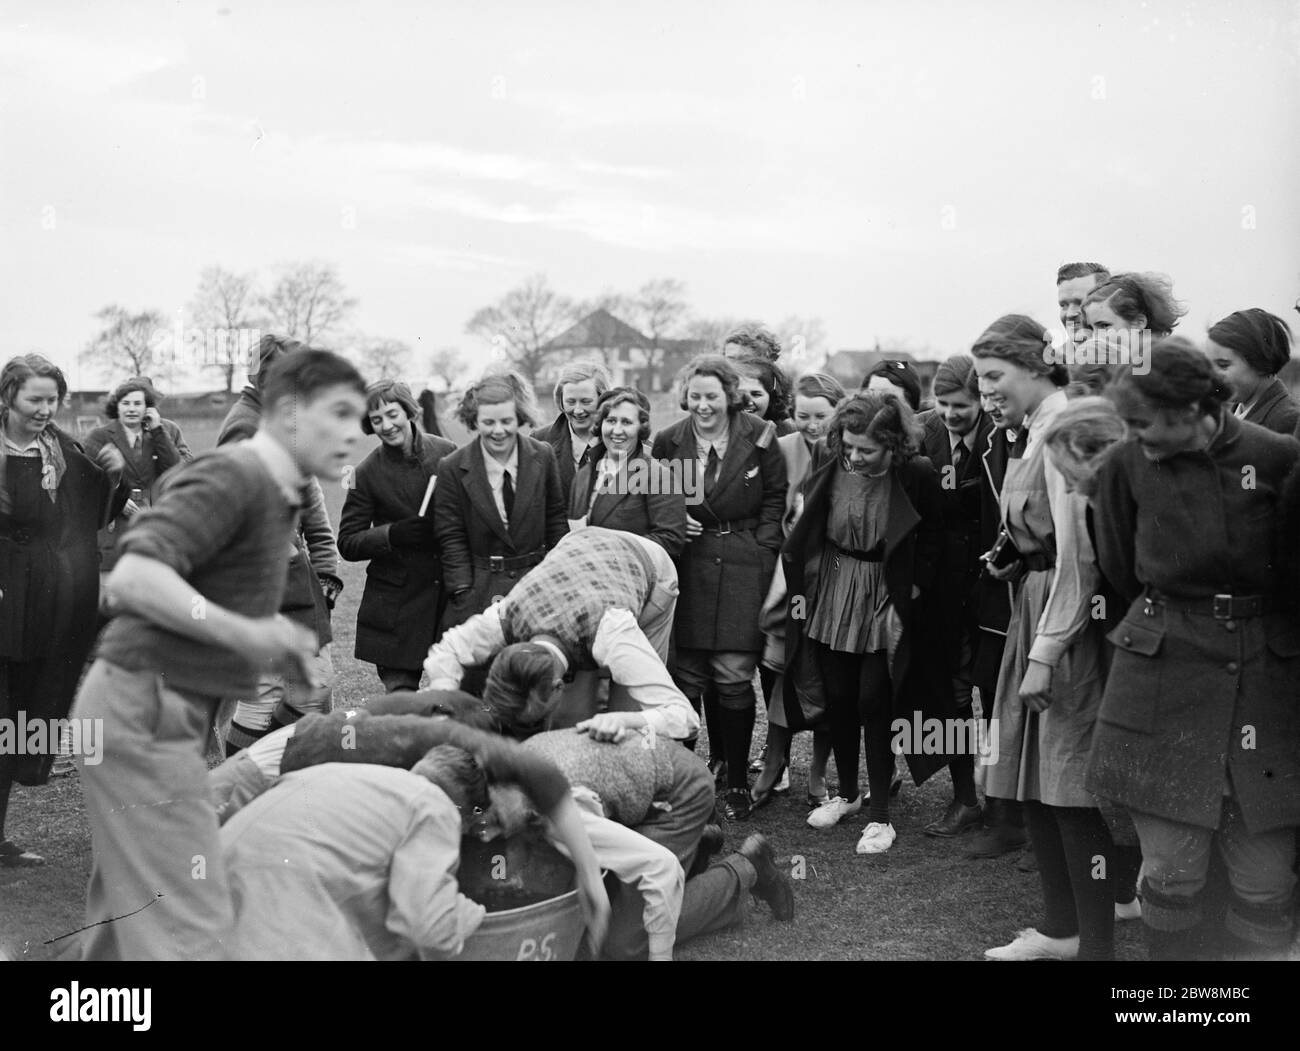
{"points": [[633, 359]]}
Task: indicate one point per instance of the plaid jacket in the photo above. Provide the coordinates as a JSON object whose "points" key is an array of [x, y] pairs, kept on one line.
{"points": [[587, 574]]}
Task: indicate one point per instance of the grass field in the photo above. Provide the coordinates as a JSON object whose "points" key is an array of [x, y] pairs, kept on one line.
{"points": [[921, 901]]}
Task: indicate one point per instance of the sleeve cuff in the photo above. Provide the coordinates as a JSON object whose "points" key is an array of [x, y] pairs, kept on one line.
{"points": [[1047, 651]]}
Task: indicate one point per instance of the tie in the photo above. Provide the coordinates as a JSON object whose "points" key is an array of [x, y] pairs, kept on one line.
{"points": [[958, 455], [508, 496], [711, 471]]}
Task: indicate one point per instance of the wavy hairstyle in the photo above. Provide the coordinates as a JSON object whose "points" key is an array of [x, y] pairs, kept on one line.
{"points": [[882, 416], [757, 340], [577, 372], [18, 370], [773, 380], [719, 368], [1181, 377], [136, 383], [616, 396], [1021, 340], [1132, 296], [1080, 438], [494, 389], [819, 385]]}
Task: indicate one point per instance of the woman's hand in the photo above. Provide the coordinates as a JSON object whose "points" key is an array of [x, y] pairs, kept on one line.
{"points": [[611, 726], [1036, 686], [131, 508], [1009, 574], [152, 419], [693, 529]]}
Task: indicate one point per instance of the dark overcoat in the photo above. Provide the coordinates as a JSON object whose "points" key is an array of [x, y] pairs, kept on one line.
{"points": [[398, 616], [913, 555], [1275, 409], [470, 531], [658, 514], [558, 436], [724, 577]]}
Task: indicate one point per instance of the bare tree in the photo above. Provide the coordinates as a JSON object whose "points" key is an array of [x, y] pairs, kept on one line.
{"points": [[522, 322], [711, 331], [225, 306], [660, 308], [384, 359], [127, 344], [307, 302], [447, 365]]}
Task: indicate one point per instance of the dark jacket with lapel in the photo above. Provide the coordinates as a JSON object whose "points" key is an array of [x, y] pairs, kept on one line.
{"points": [[725, 578], [913, 556], [398, 616], [1275, 408], [992, 597], [468, 525], [159, 453], [558, 436], [659, 515]]}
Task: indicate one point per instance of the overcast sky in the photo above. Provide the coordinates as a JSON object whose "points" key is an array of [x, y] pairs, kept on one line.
{"points": [[906, 170]]}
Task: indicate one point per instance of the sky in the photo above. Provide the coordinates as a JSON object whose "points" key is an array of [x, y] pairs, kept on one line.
{"points": [[902, 171]]}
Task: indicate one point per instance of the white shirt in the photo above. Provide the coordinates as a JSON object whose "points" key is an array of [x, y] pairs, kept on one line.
{"points": [[496, 475], [702, 446], [579, 446]]}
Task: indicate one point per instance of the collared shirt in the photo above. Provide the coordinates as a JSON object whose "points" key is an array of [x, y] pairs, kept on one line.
{"points": [[579, 446], [1241, 410], [32, 448], [496, 475], [281, 466], [702, 446], [967, 439], [133, 438]]}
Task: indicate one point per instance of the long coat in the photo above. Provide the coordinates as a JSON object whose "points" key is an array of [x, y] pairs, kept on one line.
{"points": [[398, 616], [725, 578], [469, 527], [1275, 409], [913, 554], [1191, 699], [658, 515], [49, 590], [161, 449], [558, 436]]}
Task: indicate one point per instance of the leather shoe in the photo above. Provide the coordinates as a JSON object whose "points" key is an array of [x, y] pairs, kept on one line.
{"points": [[1027, 862], [772, 885], [996, 841], [736, 805], [956, 820]]}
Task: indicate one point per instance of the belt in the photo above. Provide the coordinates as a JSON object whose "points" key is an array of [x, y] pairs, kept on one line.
{"points": [[501, 564], [1221, 607], [877, 555], [739, 525]]}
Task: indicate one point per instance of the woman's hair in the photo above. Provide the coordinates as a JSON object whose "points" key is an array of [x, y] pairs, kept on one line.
{"points": [[1135, 295], [577, 372], [1081, 436], [270, 349], [383, 392], [1092, 379], [1262, 340], [1180, 377], [956, 374], [1021, 340], [428, 403], [882, 416], [495, 389], [130, 387], [901, 375], [719, 368], [773, 380], [18, 370], [760, 342], [457, 773], [819, 385], [616, 396], [520, 688]]}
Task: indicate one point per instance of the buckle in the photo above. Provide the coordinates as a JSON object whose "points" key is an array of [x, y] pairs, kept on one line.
{"points": [[496, 563], [1222, 607], [724, 532]]}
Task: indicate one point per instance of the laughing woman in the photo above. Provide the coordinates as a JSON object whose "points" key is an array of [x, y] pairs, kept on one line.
{"points": [[53, 500], [733, 536], [1249, 349], [383, 523], [572, 435], [1198, 729], [1049, 687]]}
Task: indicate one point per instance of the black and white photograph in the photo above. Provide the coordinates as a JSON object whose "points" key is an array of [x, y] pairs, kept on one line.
{"points": [[710, 482]]}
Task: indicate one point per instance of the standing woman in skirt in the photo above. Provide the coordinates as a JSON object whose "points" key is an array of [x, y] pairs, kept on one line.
{"points": [[859, 564], [1049, 687], [499, 505], [388, 520], [733, 538], [53, 500], [1198, 729]]}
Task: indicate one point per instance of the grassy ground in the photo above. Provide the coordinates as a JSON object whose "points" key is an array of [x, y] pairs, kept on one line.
{"points": [[921, 901]]}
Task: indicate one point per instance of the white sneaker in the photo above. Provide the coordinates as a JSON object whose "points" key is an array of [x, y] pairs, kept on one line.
{"points": [[1129, 911], [832, 812], [876, 838], [1030, 945]]}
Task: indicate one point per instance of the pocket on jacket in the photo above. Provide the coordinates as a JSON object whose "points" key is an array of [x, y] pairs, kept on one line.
{"points": [[1132, 697]]}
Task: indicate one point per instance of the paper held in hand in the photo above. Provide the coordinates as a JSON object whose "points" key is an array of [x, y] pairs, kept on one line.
{"points": [[428, 494]]}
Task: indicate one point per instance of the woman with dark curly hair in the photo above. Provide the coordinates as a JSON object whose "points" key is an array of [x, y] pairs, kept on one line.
{"points": [[858, 564], [150, 446], [766, 390], [897, 375], [1249, 348]]}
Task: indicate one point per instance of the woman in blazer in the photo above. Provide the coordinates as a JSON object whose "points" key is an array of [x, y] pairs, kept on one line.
{"points": [[1249, 349], [150, 446], [572, 436], [621, 486], [499, 505], [733, 531], [1199, 723], [386, 521], [864, 559]]}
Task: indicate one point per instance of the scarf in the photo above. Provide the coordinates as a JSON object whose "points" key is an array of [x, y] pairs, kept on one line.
{"points": [[53, 463]]}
